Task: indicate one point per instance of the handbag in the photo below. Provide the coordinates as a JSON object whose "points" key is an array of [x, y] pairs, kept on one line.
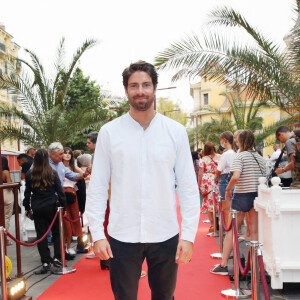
{"points": [[70, 197]]}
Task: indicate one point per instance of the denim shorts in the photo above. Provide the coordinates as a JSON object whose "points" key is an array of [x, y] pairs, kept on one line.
{"points": [[223, 181], [243, 202]]}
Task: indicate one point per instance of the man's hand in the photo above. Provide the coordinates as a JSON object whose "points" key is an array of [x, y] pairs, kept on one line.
{"points": [[184, 252], [102, 249], [279, 171]]}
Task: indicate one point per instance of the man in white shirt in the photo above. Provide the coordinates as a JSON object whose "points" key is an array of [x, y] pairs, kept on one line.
{"points": [[276, 153], [143, 153]]}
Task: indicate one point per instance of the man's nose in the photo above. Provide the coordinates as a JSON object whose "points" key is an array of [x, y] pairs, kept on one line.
{"points": [[140, 89]]}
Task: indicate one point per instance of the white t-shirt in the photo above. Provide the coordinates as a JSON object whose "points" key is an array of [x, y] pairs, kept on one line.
{"points": [[226, 161]]}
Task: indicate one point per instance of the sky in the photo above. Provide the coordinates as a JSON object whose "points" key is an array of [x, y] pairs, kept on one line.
{"points": [[127, 31]]}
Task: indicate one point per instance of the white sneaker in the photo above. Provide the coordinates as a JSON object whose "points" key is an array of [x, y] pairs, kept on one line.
{"points": [[91, 255], [71, 251]]}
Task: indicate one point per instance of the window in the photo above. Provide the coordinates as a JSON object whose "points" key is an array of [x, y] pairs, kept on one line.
{"points": [[2, 47], [205, 99]]}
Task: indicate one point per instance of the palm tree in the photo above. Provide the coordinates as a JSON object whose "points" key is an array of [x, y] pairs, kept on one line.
{"points": [[266, 71], [46, 113], [245, 116]]}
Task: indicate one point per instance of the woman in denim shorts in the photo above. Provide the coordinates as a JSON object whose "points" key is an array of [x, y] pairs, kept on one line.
{"points": [[247, 167], [223, 173]]}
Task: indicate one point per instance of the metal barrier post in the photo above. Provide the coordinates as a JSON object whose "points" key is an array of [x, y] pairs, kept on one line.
{"points": [[219, 254], [64, 269], [3, 265], [214, 233], [17, 230], [254, 269], [235, 293]]}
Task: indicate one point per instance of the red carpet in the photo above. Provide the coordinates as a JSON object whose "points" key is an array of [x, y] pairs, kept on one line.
{"points": [[194, 279]]}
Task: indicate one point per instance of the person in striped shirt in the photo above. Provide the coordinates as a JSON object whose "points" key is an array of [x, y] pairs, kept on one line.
{"points": [[247, 167]]}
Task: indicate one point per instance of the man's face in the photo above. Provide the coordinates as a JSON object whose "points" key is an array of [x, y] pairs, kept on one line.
{"points": [[21, 162], [282, 136], [91, 146], [57, 156], [31, 152], [140, 91]]}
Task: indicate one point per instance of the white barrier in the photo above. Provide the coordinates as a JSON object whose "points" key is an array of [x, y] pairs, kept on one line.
{"points": [[278, 230]]}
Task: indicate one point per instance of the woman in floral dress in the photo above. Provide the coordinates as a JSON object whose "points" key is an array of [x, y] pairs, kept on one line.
{"points": [[207, 169]]}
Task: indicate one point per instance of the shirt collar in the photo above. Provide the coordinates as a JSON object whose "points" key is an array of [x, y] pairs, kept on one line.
{"points": [[138, 124]]}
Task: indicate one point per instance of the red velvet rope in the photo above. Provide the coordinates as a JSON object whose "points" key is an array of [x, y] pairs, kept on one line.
{"points": [[36, 242], [73, 221], [222, 218], [263, 277], [243, 271]]}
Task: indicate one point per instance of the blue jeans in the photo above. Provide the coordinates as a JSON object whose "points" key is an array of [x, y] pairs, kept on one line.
{"points": [[243, 202], [223, 180]]}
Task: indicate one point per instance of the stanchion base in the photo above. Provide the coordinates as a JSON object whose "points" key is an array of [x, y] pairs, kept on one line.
{"points": [[206, 221], [63, 271], [212, 234], [234, 294], [216, 255], [25, 298]]}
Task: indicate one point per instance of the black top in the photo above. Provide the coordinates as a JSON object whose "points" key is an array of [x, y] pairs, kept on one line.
{"points": [[27, 165], [35, 198], [4, 163]]}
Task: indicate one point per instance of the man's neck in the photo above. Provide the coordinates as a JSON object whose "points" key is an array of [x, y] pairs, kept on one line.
{"points": [[144, 118]]}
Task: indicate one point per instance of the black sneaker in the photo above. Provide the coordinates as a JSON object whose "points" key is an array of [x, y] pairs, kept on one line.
{"points": [[69, 256], [219, 270], [57, 263], [45, 268]]}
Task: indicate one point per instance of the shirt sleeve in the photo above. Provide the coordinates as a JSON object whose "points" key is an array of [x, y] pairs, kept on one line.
{"points": [[59, 190], [188, 191], [237, 164], [27, 193], [289, 146], [97, 193], [70, 174], [222, 163]]}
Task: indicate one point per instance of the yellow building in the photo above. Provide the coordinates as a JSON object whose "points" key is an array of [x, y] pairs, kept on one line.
{"points": [[207, 94], [8, 66]]}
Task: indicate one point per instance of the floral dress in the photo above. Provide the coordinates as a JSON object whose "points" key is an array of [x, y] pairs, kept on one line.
{"points": [[207, 169]]}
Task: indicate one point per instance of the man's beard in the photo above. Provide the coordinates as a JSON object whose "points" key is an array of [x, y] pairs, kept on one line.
{"points": [[142, 106]]}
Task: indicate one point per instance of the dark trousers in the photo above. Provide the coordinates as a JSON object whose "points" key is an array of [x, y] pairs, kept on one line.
{"points": [[42, 219], [286, 182], [126, 267]]}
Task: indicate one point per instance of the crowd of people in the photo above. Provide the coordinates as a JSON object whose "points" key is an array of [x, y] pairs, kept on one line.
{"points": [[54, 177], [234, 173]]}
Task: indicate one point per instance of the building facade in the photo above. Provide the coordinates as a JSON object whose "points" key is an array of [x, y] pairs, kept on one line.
{"points": [[207, 96], [9, 66]]}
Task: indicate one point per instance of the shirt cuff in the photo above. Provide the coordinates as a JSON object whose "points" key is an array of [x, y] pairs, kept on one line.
{"points": [[188, 236], [98, 236]]}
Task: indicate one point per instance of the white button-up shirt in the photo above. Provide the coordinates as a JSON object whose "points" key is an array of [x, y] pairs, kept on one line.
{"points": [[143, 166]]}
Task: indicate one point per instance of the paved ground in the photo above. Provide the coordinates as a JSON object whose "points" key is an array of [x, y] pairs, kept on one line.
{"points": [[36, 284]]}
